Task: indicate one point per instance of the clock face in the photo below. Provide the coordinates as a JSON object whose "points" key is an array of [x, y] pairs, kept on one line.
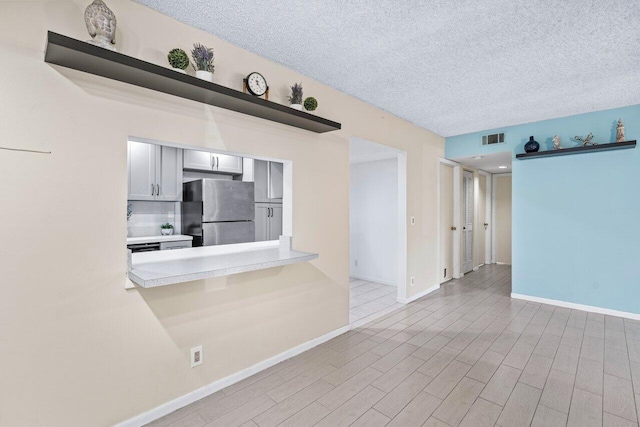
{"points": [[256, 84]]}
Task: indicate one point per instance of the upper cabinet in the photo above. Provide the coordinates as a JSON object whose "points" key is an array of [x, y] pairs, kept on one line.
{"points": [[212, 162], [155, 172], [268, 181]]}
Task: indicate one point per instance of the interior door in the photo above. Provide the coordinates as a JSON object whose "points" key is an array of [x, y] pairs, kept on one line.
{"points": [[467, 222], [142, 171], [446, 222], [275, 222]]}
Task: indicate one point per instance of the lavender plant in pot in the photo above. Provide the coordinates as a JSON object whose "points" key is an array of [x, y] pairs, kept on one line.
{"points": [[296, 96], [203, 60]]}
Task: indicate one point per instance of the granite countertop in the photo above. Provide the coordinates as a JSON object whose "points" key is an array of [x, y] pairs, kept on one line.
{"points": [[161, 268], [154, 239]]}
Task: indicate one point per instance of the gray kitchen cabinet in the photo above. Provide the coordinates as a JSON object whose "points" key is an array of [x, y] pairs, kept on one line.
{"points": [[212, 162], [155, 172], [268, 178], [268, 221]]}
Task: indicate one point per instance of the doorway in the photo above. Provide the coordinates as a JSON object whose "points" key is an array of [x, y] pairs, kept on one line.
{"points": [[502, 219], [377, 220], [467, 221]]}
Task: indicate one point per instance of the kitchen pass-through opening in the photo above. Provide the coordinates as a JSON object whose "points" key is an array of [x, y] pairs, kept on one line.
{"points": [[182, 196]]}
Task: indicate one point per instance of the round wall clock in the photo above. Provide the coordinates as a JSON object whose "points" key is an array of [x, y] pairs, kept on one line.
{"points": [[256, 84]]}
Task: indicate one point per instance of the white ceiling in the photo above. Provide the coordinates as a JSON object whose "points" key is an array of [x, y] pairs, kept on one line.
{"points": [[489, 163], [450, 66]]}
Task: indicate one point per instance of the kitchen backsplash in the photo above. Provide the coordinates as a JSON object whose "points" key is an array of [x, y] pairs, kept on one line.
{"points": [[147, 217]]}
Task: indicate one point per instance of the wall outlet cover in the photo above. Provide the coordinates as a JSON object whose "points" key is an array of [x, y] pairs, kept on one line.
{"points": [[413, 281], [196, 356], [413, 220]]}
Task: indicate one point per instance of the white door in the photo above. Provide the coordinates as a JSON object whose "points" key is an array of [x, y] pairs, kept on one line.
{"points": [[142, 171], [198, 160], [275, 222], [446, 222], [228, 164], [169, 171], [467, 222], [262, 222]]}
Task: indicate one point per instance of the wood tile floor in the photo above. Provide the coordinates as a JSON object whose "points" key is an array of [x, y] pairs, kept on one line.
{"points": [[369, 301], [466, 355]]}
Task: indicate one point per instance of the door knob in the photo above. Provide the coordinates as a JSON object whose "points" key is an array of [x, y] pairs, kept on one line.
{"points": [[453, 229]]}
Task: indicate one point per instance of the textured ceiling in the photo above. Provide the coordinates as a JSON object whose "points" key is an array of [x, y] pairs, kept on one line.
{"points": [[450, 66]]}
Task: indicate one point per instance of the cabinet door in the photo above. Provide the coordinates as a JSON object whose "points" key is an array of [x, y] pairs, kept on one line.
{"points": [[275, 222], [262, 222], [169, 171], [261, 180], [198, 160], [275, 181], [228, 164], [141, 162]]}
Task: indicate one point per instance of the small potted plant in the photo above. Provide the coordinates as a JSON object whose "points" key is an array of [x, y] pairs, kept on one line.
{"points": [[310, 104], [179, 60], [296, 96], [166, 229], [203, 60]]}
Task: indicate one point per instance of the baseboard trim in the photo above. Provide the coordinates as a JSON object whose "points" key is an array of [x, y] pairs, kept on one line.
{"points": [[372, 279], [574, 306], [418, 295], [502, 263], [182, 401]]}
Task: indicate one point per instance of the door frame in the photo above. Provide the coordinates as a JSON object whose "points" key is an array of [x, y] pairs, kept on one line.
{"points": [[462, 202], [487, 216], [494, 226], [401, 157], [457, 172]]}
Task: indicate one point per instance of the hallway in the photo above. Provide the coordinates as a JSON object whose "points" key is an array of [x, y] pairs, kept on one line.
{"points": [[465, 355]]}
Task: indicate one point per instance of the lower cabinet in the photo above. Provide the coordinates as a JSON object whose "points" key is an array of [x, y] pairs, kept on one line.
{"points": [[268, 221]]}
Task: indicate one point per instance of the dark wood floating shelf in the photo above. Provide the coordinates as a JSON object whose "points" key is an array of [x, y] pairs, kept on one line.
{"points": [[82, 56], [577, 150]]}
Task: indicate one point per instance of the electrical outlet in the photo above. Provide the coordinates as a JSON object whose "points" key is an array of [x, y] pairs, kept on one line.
{"points": [[413, 220], [196, 356], [413, 281]]}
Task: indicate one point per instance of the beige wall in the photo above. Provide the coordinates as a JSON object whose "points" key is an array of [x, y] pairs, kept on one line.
{"points": [[76, 348], [503, 218]]}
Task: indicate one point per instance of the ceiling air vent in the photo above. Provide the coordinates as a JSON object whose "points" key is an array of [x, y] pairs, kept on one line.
{"points": [[494, 138]]}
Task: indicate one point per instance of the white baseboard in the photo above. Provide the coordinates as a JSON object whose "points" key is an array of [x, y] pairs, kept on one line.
{"points": [[205, 391], [372, 279], [419, 295], [502, 263], [571, 305]]}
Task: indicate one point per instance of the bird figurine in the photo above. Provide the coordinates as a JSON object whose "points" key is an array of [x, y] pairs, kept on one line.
{"points": [[620, 131], [556, 143], [586, 141]]}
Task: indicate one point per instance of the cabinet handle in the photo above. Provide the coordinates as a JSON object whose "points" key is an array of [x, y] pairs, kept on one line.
{"points": [[158, 190], [217, 163], [153, 189], [211, 160]]}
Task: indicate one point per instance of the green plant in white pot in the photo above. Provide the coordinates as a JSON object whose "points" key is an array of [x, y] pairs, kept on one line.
{"points": [[178, 60], [166, 229]]}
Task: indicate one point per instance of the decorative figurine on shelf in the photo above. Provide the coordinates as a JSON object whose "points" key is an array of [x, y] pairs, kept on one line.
{"points": [[532, 146], [620, 131], [556, 143], [586, 141], [101, 24]]}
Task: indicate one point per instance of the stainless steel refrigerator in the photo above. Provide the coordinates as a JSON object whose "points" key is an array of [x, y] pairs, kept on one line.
{"points": [[218, 212]]}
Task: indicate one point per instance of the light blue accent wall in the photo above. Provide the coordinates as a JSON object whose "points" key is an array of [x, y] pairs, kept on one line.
{"points": [[576, 218]]}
